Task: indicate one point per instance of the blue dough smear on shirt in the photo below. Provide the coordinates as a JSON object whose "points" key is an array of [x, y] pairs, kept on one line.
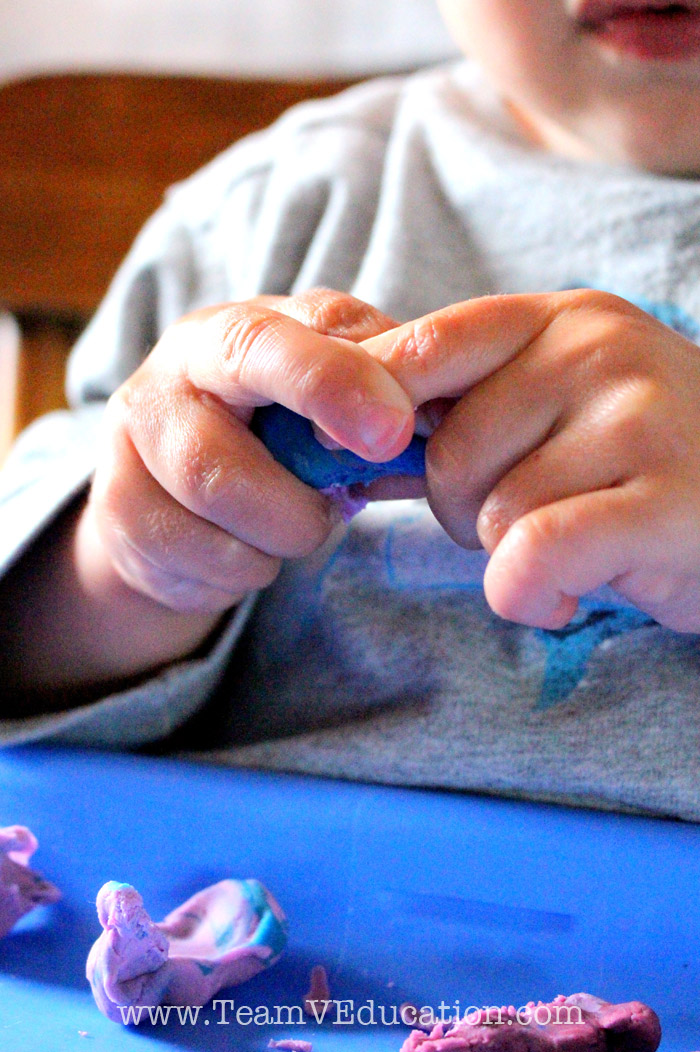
{"points": [[291, 440]]}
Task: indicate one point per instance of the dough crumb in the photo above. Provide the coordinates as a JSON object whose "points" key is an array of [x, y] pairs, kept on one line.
{"points": [[318, 998]]}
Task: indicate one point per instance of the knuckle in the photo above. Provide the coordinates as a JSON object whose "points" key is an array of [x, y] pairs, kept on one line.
{"points": [[634, 416], [600, 302], [114, 492], [330, 312], [208, 485], [142, 407], [421, 348], [657, 589], [453, 494], [451, 468], [430, 341], [247, 335], [155, 569], [608, 346], [596, 303], [183, 595], [536, 533], [120, 408], [493, 522]]}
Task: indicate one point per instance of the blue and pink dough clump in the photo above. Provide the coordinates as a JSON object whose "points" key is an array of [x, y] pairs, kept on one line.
{"points": [[219, 937]]}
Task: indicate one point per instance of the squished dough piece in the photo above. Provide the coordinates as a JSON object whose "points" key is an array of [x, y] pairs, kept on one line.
{"points": [[21, 888], [349, 500], [603, 1027], [318, 998], [292, 1046], [220, 937]]}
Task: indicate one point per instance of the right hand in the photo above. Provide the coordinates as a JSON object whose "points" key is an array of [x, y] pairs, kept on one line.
{"points": [[187, 505]]}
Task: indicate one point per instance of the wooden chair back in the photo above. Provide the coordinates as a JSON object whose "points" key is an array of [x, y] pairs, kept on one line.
{"points": [[84, 160]]}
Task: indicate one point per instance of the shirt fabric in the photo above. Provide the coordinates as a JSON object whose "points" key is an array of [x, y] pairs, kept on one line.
{"points": [[377, 657]]}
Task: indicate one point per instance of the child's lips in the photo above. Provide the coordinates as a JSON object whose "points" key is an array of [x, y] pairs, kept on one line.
{"points": [[652, 30]]}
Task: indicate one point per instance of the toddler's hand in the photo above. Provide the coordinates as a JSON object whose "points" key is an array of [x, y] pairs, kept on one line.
{"points": [[189, 506], [571, 451]]}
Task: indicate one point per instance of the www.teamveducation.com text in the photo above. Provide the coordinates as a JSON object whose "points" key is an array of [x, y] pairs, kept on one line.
{"points": [[347, 1013]]}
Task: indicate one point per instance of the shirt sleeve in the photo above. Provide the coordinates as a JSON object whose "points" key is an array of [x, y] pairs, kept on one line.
{"points": [[266, 216], [52, 462]]}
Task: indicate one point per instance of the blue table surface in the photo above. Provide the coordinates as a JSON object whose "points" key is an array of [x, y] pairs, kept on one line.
{"points": [[404, 895]]}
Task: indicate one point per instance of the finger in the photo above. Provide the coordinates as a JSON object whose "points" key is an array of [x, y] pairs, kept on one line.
{"points": [[602, 444], [514, 443], [208, 461], [482, 438], [250, 355], [554, 472], [333, 313], [557, 420], [163, 550], [553, 555], [443, 354]]}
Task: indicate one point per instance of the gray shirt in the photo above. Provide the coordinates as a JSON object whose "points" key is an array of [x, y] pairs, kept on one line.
{"points": [[377, 657]]}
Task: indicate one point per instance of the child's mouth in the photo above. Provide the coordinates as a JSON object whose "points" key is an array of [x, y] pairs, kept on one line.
{"points": [[670, 32]]}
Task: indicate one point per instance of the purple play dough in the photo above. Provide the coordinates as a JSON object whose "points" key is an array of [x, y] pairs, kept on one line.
{"points": [[578, 1023], [21, 888], [348, 499]]}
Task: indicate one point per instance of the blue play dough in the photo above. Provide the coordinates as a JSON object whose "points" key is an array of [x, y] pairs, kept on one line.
{"points": [[290, 439]]}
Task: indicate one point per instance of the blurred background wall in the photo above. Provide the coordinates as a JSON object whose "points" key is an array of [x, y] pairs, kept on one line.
{"points": [[104, 103], [239, 37]]}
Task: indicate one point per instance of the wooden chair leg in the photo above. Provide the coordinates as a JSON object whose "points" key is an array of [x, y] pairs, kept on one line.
{"points": [[44, 348], [10, 338], [33, 354]]}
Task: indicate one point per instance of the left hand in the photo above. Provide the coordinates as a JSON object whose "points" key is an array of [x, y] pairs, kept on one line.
{"points": [[569, 448]]}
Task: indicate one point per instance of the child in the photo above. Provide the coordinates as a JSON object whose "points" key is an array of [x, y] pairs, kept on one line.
{"points": [[531, 628]]}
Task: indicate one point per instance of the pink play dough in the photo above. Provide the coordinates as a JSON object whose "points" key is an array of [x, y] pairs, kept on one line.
{"points": [[21, 888], [594, 1026]]}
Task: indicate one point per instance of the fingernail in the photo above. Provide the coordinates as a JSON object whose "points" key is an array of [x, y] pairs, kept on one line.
{"points": [[325, 439], [380, 427]]}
